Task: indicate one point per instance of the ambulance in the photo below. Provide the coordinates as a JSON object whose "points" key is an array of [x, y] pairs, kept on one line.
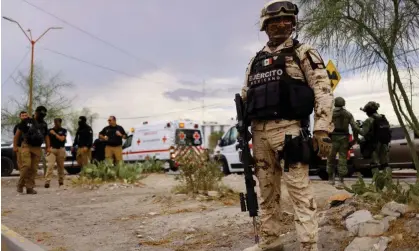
{"points": [[161, 139]]}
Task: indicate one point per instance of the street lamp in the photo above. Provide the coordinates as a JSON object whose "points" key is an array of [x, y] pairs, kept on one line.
{"points": [[32, 57]]}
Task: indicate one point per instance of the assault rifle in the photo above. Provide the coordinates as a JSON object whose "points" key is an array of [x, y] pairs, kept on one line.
{"points": [[248, 201]]}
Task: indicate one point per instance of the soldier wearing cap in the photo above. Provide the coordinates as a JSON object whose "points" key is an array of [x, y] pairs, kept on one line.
{"points": [[83, 141], [284, 83], [35, 133], [57, 154]]}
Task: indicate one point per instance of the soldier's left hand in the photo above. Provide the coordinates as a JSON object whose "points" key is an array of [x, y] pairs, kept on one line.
{"points": [[322, 143]]}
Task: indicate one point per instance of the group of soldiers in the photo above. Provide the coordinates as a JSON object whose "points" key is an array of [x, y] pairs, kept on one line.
{"points": [[284, 82], [31, 132], [374, 145]]}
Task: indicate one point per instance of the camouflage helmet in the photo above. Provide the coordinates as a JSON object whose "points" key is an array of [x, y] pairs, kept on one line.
{"points": [[339, 102], [371, 106], [277, 8]]}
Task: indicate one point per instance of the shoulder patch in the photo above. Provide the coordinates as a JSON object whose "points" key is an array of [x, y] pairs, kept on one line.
{"points": [[316, 61]]}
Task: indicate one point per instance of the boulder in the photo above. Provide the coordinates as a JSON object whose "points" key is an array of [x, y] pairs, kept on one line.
{"points": [[352, 221]]}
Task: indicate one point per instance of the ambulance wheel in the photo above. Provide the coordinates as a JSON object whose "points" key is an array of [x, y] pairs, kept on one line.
{"points": [[73, 170], [224, 164]]}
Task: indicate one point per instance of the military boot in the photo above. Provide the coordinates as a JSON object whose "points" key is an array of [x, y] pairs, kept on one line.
{"points": [[332, 179], [46, 185], [19, 189], [31, 191], [274, 246], [340, 185]]}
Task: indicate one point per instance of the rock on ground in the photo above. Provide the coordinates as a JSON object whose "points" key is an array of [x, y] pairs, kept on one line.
{"points": [[368, 244], [353, 220]]}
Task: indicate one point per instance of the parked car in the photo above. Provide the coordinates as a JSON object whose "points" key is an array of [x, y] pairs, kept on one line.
{"points": [[8, 159], [399, 153]]}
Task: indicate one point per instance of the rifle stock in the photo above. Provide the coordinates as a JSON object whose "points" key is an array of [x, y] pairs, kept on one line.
{"points": [[248, 201]]}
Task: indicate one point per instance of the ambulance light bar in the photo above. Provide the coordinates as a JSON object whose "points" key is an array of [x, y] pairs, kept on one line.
{"points": [[181, 125], [168, 124], [145, 123]]}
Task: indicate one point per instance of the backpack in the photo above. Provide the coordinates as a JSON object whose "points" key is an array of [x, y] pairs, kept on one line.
{"points": [[35, 135], [381, 129]]}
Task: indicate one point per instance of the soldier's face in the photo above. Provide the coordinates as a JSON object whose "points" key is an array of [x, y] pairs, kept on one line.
{"points": [[280, 28], [23, 116]]}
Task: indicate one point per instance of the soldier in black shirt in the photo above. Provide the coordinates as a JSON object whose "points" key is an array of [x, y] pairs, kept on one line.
{"points": [[57, 136], [83, 141], [113, 135], [35, 132], [23, 115], [98, 150]]}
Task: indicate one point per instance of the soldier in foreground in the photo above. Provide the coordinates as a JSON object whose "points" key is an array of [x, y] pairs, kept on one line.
{"points": [[83, 141], [340, 141], [284, 82], [377, 135], [57, 136], [35, 133]]}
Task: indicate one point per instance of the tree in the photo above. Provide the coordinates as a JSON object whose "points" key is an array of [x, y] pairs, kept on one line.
{"points": [[213, 139], [48, 91], [371, 34], [73, 119]]}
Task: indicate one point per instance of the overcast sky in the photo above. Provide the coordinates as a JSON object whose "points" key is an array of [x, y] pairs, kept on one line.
{"points": [[166, 51]]}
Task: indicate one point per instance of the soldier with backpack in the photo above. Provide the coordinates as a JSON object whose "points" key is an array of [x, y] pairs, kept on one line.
{"points": [[35, 133], [377, 135]]}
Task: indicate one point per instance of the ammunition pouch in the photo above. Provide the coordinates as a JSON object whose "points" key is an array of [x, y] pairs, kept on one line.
{"points": [[298, 150]]}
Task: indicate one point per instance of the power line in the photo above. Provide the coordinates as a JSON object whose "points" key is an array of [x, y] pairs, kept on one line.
{"points": [[17, 66], [91, 35], [99, 66], [167, 113]]}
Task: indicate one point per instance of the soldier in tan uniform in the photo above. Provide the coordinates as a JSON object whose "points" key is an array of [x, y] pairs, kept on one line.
{"points": [[284, 82]]}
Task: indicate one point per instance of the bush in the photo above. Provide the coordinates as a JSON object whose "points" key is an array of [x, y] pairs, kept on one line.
{"points": [[105, 171], [197, 173], [383, 189]]}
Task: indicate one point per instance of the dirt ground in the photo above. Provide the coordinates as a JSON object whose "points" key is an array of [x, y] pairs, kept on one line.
{"points": [[144, 217]]}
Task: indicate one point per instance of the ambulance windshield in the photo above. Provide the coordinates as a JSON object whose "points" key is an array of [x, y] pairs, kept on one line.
{"points": [[188, 137]]}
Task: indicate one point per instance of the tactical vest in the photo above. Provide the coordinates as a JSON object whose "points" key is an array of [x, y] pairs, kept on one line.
{"points": [[272, 93], [341, 120]]}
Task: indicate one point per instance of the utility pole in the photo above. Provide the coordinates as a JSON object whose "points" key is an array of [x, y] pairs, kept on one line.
{"points": [[203, 100], [32, 57]]}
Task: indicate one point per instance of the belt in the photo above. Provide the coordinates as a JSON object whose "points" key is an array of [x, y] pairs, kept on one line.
{"points": [[57, 148]]}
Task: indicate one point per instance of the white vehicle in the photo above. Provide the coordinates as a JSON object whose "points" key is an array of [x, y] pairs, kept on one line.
{"points": [[227, 152], [160, 139]]}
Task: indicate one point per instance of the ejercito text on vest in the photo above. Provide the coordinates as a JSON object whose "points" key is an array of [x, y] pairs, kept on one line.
{"points": [[273, 94]]}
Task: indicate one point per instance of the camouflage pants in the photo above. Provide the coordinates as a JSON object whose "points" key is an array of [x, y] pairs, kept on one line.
{"points": [[340, 145], [30, 156], [268, 138], [379, 158]]}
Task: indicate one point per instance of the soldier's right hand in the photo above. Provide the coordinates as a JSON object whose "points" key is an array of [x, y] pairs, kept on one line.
{"points": [[15, 149], [322, 143]]}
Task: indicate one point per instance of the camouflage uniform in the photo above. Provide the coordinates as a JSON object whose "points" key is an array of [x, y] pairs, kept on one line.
{"points": [[379, 159], [340, 141], [268, 139]]}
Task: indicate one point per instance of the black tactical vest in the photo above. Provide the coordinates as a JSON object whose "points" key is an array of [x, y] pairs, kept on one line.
{"points": [[273, 94]]}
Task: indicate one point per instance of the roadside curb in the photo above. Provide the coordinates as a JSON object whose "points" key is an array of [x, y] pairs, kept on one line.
{"points": [[12, 241]]}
